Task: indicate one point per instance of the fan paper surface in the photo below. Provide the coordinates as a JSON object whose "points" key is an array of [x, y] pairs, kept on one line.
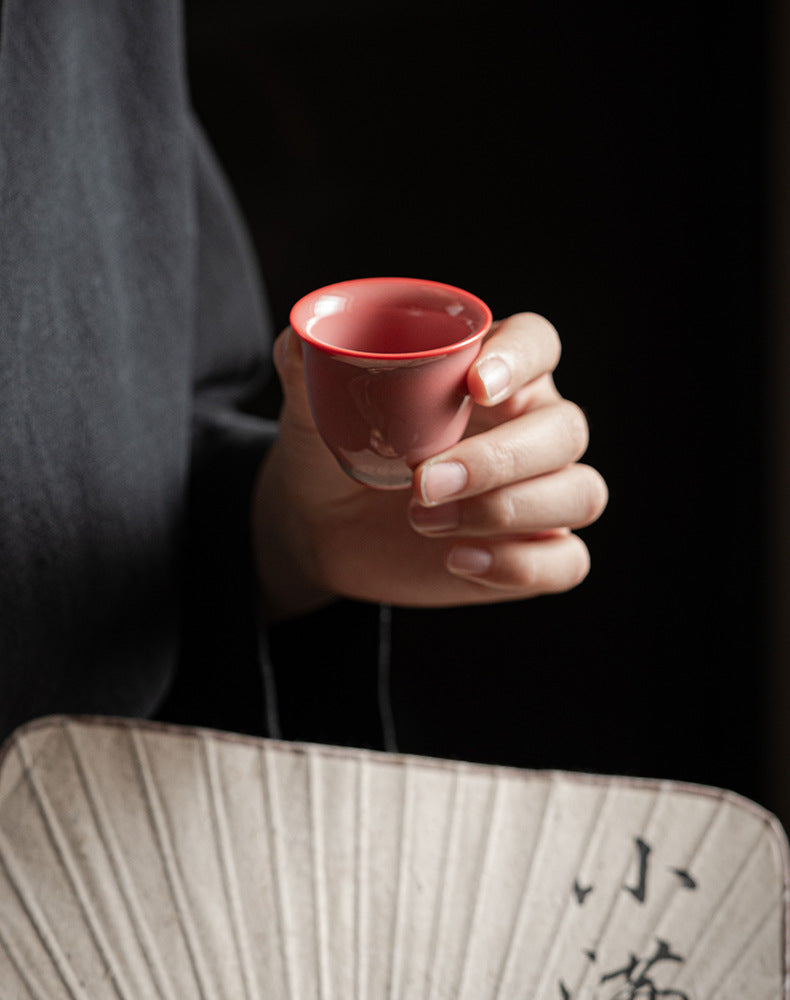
{"points": [[141, 861]]}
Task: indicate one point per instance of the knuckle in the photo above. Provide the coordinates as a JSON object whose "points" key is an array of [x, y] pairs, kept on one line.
{"points": [[502, 513], [554, 344], [527, 575], [575, 426], [594, 496], [546, 338], [579, 566], [566, 568], [502, 461]]}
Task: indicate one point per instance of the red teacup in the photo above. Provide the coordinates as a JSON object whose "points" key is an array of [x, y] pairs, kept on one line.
{"points": [[386, 361]]}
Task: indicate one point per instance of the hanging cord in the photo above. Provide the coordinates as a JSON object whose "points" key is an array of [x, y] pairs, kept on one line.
{"points": [[383, 665], [384, 668], [271, 720]]}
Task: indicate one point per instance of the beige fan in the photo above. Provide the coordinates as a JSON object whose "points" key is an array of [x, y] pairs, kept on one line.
{"points": [[140, 862]]}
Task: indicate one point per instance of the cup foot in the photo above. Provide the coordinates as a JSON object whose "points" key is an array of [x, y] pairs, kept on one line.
{"points": [[394, 480], [372, 469]]}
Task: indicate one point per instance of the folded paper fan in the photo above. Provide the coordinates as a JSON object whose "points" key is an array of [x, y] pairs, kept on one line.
{"points": [[140, 861]]}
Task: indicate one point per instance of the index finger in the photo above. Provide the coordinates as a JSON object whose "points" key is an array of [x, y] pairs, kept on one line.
{"points": [[519, 350]]}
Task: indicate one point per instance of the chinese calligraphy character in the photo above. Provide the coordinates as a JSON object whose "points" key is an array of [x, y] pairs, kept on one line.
{"points": [[639, 891], [639, 981], [685, 879], [634, 981]]}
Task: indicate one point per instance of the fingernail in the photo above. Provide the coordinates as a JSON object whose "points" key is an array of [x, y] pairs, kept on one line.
{"points": [[495, 376], [445, 517], [468, 561], [441, 481]]}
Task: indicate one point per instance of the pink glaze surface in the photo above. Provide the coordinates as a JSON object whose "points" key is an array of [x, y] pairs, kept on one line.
{"points": [[386, 361], [382, 317]]}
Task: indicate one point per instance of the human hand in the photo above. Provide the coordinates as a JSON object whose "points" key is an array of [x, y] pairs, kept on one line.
{"points": [[490, 519]]}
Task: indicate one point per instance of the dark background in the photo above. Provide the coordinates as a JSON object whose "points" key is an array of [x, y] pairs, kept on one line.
{"points": [[601, 164]]}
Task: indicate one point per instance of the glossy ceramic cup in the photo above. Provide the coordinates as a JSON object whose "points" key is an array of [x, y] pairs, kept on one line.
{"points": [[386, 361]]}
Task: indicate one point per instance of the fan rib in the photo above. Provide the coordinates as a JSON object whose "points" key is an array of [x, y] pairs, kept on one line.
{"points": [[157, 818], [494, 812], [361, 896], [230, 881], [273, 812], [104, 828], [743, 951], [318, 858], [27, 898], [34, 991], [486, 859], [404, 859], [749, 856], [70, 867], [592, 839], [449, 852], [517, 927]]}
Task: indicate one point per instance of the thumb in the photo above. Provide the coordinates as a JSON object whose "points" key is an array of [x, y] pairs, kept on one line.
{"points": [[289, 364]]}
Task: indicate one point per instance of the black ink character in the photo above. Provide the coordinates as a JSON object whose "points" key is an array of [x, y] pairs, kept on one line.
{"points": [[639, 891], [638, 979], [686, 880], [581, 891]]}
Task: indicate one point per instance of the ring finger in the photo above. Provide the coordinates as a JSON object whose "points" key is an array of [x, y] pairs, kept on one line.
{"points": [[570, 498]]}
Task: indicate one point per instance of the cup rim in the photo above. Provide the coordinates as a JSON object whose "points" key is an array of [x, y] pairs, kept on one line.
{"points": [[483, 327]]}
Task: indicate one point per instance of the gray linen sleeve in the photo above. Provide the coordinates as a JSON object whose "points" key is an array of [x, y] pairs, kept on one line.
{"points": [[223, 659]]}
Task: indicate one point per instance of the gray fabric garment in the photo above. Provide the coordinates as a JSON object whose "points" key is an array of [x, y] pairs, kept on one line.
{"points": [[131, 326]]}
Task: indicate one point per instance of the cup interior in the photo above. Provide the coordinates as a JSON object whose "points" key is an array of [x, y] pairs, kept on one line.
{"points": [[390, 317]]}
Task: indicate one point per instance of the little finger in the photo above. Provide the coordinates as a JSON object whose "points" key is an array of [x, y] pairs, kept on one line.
{"points": [[572, 497], [524, 568]]}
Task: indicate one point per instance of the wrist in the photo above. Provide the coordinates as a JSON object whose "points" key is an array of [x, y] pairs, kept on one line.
{"points": [[283, 549]]}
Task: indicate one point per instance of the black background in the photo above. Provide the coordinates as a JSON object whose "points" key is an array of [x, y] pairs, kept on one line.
{"points": [[601, 164]]}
